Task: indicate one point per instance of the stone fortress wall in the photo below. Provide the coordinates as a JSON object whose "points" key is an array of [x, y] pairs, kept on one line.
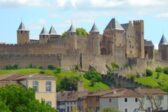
{"points": [[118, 44]]}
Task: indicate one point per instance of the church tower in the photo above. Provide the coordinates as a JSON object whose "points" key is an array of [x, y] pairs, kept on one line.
{"points": [[94, 40], [22, 34]]}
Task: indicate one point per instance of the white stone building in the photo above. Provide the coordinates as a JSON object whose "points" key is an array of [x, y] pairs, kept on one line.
{"points": [[135, 100]]}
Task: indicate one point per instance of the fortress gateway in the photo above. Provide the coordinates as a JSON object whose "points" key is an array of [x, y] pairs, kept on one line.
{"points": [[123, 44]]}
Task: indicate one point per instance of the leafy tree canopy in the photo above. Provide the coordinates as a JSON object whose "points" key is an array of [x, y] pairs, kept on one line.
{"points": [[68, 84], [15, 98], [81, 32]]}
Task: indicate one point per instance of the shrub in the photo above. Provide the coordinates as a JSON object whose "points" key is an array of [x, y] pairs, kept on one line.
{"points": [[10, 67], [149, 72], [51, 67], [93, 75], [42, 72], [158, 69], [114, 66], [68, 84], [57, 71], [165, 70], [109, 110]]}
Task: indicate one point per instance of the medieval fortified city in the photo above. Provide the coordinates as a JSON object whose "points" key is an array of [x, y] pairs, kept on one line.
{"points": [[116, 71]]}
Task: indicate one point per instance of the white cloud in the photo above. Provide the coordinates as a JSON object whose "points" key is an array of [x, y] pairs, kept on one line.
{"points": [[20, 3], [163, 15]]}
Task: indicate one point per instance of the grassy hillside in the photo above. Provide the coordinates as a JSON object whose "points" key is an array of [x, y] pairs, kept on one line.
{"points": [[59, 76], [155, 80]]}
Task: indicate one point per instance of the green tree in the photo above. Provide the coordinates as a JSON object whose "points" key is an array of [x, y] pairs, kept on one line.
{"points": [[149, 72], [79, 32], [68, 84], [4, 107], [165, 70], [158, 69], [109, 110], [93, 75], [19, 99]]}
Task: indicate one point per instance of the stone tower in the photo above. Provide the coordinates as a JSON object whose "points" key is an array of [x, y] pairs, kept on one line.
{"points": [[94, 40], [113, 39], [44, 36], [72, 38], [163, 48], [22, 34], [52, 32], [139, 33], [131, 50]]}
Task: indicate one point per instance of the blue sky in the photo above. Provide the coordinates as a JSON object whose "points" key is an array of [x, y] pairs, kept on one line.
{"points": [[82, 13]]}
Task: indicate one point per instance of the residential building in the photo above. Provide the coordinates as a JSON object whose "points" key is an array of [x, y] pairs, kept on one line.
{"points": [[71, 101], [44, 85], [135, 100]]}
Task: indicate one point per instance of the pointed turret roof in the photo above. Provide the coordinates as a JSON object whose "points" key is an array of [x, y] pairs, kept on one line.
{"points": [[113, 24], [163, 41], [22, 27], [52, 31], [72, 29], [94, 28], [44, 31]]}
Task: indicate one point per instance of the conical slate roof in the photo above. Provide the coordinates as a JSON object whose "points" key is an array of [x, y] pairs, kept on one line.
{"points": [[52, 31], [125, 26], [94, 28], [22, 27], [72, 29], [113, 24], [163, 41], [43, 31]]}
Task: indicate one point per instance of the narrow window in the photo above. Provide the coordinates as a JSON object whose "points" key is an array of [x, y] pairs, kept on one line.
{"points": [[125, 99], [126, 110], [36, 86], [136, 99], [109, 99], [48, 86]]}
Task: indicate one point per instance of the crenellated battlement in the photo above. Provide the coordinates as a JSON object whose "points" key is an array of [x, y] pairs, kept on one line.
{"points": [[94, 50]]}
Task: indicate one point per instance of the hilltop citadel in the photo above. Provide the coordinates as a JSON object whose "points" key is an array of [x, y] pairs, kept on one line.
{"points": [[123, 44]]}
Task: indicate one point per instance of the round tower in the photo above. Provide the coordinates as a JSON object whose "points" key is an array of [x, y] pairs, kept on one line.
{"points": [[71, 37], [94, 40], [44, 36], [22, 34], [52, 32]]}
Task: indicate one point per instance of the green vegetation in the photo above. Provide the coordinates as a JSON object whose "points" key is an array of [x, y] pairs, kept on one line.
{"points": [[81, 32], [61, 75], [15, 98], [155, 79], [109, 110], [111, 68]]}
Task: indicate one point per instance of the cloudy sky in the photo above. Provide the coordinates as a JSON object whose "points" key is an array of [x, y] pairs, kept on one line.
{"points": [[82, 13]]}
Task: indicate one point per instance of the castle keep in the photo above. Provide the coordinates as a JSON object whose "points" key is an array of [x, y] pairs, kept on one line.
{"points": [[119, 43]]}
